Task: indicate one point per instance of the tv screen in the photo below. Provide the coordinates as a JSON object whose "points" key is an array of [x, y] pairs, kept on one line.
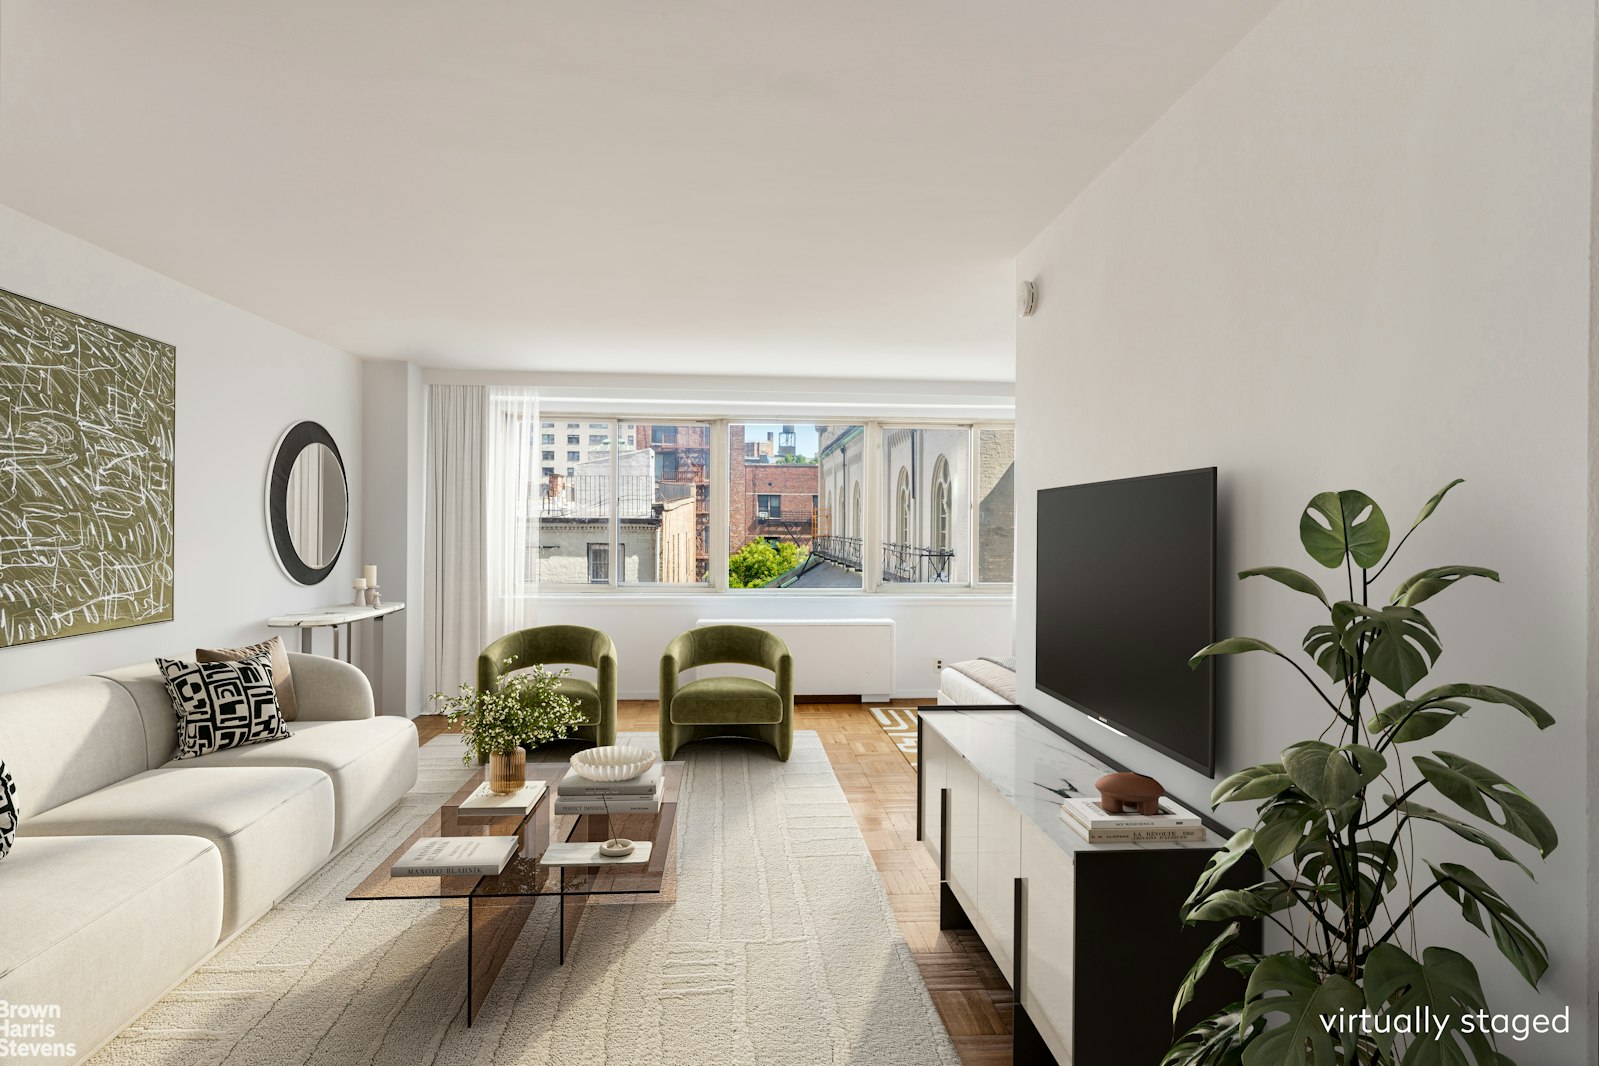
{"points": [[1126, 595]]}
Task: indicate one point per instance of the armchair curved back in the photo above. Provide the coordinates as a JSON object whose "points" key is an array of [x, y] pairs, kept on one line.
{"points": [[574, 645], [728, 644]]}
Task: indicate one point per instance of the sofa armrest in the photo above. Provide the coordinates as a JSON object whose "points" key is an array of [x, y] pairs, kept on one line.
{"points": [[329, 690]]}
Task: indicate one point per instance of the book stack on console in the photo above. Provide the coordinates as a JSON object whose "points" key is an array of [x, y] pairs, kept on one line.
{"points": [[637, 795], [1097, 826], [456, 857], [486, 803]]}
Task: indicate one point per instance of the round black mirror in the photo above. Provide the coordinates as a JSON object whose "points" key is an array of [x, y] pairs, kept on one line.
{"points": [[308, 503]]}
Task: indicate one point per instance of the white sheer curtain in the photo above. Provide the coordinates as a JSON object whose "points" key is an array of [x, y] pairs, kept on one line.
{"points": [[513, 511], [455, 556]]}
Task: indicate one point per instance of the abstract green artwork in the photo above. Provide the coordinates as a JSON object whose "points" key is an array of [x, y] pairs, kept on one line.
{"points": [[86, 467]]}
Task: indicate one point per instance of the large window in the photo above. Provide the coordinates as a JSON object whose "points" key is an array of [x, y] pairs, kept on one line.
{"points": [[778, 535], [878, 506], [626, 513]]}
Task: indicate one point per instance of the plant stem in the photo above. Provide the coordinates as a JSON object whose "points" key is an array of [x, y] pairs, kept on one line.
{"points": [[1405, 914], [1386, 811]]}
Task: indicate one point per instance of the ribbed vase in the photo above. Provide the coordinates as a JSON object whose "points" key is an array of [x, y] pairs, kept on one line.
{"points": [[507, 771]]}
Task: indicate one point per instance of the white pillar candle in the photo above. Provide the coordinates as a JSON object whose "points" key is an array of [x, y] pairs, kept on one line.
{"points": [[371, 576], [360, 583]]}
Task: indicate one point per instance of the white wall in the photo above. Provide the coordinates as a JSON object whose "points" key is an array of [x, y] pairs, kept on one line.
{"points": [[926, 628], [393, 400], [1356, 255], [241, 382]]}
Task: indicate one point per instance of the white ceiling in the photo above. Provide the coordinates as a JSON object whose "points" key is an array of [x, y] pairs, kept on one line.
{"points": [[830, 187]]}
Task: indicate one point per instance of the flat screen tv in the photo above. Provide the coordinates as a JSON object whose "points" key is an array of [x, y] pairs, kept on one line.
{"points": [[1126, 595]]}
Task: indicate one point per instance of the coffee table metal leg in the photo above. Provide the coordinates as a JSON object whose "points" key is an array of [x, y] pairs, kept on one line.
{"points": [[493, 925]]}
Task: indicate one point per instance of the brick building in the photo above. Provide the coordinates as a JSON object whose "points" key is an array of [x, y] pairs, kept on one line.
{"points": [[768, 500], [683, 458]]}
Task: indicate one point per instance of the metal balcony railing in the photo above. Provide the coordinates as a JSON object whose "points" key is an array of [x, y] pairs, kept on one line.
{"points": [[916, 563], [845, 551]]}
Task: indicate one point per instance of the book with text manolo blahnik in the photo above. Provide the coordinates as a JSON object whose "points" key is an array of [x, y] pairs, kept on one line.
{"points": [[486, 803], [645, 784], [455, 857], [634, 804]]}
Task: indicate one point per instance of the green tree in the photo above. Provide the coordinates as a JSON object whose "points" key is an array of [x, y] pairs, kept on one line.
{"points": [[757, 563]]}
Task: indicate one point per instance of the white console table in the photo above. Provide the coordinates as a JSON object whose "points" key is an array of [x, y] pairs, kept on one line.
{"points": [[1087, 934], [307, 622]]}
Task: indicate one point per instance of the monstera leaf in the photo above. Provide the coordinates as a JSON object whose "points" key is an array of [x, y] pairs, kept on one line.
{"points": [[1473, 787], [1428, 583], [1401, 643], [1237, 846], [1285, 987], [1185, 991], [1338, 523], [1460, 829], [1256, 782], [1324, 644], [1219, 1040], [1488, 694], [1432, 505], [1232, 646], [1415, 719], [1488, 911], [1292, 578], [1444, 983]]}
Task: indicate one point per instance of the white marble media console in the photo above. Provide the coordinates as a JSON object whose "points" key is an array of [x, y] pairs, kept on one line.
{"points": [[1085, 932]]}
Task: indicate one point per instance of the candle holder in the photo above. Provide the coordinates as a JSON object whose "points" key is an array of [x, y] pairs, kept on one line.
{"points": [[359, 585], [374, 596]]}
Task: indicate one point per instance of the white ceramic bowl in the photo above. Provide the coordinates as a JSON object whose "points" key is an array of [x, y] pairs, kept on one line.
{"points": [[613, 762]]}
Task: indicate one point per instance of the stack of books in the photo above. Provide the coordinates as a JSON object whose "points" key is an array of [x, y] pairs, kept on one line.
{"points": [[636, 795], [1095, 825]]}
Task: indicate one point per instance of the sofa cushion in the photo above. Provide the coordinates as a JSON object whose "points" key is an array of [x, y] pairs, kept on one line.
{"points": [[101, 925], [584, 694], [282, 672], [68, 739], [372, 763], [272, 824], [223, 705], [727, 701]]}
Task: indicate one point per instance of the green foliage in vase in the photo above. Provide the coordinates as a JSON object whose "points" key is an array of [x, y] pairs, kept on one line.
{"points": [[758, 562], [527, 707], [1333, 828]]}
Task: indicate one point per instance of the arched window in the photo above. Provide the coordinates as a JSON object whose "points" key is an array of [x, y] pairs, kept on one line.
{"points": [[827, 519], [855, 512], [902, 508], [943, 505]]}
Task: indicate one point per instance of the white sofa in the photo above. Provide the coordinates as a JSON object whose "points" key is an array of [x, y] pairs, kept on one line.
{"points": [[131, 867]]}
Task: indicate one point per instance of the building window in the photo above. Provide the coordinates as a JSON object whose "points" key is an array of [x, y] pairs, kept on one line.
{"points": [[599, 564], [548, 438], [596, 439], [663, 434], [768, 505], [574, 438], [943, 505], [548, 456], [549, 471], [902, 508], [855, 513]]}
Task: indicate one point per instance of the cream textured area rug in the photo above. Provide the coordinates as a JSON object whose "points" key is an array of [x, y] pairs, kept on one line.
{"points": [[779, 948]]}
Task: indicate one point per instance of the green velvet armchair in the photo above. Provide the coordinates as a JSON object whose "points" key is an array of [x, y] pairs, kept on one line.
{"points": [[727, 706], [560, 646]]}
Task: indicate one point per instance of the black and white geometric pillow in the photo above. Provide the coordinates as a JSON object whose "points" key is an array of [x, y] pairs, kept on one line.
{"points": [[222, 705], [8, 811]]}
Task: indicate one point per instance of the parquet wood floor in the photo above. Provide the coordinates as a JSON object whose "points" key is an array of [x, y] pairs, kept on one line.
{"points": [[970, 992]]}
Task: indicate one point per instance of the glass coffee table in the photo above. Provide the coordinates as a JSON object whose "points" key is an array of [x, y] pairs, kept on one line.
{"points": [[499, 906]]}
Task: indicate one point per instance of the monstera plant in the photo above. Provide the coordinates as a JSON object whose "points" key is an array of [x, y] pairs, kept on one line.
{"points": [[1334, 824]]}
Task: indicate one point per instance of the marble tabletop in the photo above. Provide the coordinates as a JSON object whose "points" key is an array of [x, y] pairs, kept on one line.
{"points": [[1032, 766], [332, 616]]}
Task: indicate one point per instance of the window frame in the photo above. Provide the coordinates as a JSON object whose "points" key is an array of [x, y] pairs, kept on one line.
{"points": [[867, 499]]}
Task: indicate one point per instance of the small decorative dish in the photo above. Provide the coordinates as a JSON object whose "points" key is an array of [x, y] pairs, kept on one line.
{"points": [[616, 848], [613, 762]]}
